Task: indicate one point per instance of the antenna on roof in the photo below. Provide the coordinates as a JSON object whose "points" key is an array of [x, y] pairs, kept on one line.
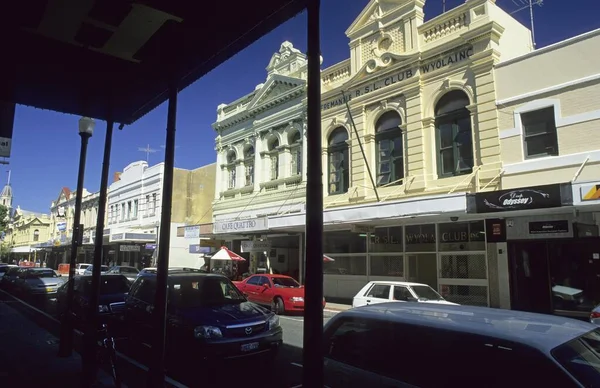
{"points": [[8, 181], [443, 6], [165, 147], [524, 4], [147, 150]]}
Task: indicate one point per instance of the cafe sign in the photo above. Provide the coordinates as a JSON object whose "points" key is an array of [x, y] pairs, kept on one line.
{"points": [[527, 198], [240, 226]]}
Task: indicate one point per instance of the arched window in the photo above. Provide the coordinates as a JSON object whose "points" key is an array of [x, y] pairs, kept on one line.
{"points": [[454, 134], [231, 158], [274, 157], [339, 176], [36, 235], [390, 149], [249, 165], [295, 142]]}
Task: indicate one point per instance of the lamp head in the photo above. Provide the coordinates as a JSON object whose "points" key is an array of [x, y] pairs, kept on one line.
{"points": [[86, 126]]}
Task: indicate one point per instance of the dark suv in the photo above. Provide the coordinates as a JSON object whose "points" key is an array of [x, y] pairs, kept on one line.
{"points": [[208, 319]]}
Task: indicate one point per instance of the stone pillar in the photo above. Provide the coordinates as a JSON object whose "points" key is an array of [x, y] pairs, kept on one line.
{"points": [[416, 148]]}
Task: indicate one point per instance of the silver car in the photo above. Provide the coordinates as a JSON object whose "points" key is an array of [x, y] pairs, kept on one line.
{"points": [[38, 281]]}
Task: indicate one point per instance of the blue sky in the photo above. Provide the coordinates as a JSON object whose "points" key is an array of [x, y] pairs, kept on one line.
{"points": [[46, 145]]}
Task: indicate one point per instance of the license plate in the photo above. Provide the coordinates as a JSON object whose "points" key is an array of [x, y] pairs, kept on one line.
{"points": [[249, 347]]}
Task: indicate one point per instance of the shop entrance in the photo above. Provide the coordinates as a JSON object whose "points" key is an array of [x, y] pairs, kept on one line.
{"points": [[555, 276], [529, 273]]}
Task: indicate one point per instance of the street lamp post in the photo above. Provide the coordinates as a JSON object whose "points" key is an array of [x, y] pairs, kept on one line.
{"points": [[86, 129]]}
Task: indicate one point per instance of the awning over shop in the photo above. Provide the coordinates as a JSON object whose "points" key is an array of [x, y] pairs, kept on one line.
{"points": [[23, 249], [414, 207], [116, 58]]}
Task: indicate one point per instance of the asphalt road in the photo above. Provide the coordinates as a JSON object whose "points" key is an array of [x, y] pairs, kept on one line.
{"points": [[285, 372]]}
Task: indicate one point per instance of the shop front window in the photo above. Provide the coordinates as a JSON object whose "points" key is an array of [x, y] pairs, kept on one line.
{"points": [[574, 274], [462, 236], [420, 238], [454, 134], [346, 265], [344, 242], [386, 240]]}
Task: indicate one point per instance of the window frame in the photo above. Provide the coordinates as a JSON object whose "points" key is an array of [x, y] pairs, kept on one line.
{"points": [[249, 155], [453, 118], [390, 135], [343, 149], [553, 132]]}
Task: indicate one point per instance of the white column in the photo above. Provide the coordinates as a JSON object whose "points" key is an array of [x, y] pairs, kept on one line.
{"points": [[218, 175], [304, 153]]}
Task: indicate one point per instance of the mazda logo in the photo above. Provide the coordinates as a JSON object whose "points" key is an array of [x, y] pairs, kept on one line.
{"points": [[248, 330]]}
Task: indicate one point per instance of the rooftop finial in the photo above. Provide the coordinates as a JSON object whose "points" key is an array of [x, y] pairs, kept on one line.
{"points": [[8, 182]]}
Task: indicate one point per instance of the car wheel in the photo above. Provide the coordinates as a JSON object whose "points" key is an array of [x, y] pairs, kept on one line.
{"points": [[277, 306]]}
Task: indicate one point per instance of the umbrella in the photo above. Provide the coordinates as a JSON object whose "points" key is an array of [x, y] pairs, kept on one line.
{"points": [[226, 254], [327, 259]]}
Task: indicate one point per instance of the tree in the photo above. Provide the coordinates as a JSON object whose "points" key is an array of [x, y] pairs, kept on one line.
{"points": [[4, 218]]}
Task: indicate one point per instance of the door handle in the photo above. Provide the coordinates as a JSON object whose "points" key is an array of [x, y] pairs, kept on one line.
{"points": [[368, 301]]}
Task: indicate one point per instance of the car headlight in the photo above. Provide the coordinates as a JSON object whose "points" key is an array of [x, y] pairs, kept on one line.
{"points": [[297, 299], [273, 322], [207, 332], [103, 308]]}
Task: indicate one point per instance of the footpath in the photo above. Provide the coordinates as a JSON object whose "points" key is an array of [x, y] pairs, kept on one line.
{"points": [[29, 354]]}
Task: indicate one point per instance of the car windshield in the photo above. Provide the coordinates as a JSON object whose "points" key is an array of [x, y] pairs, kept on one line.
{"points": [[581, 357], [44, 273], [111, 285], [103, 268], [285, 282], [202, 291], [425, 293]]}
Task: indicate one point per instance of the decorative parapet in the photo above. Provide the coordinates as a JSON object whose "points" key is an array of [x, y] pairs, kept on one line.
{"points": [[444, 25], [336, 74]]}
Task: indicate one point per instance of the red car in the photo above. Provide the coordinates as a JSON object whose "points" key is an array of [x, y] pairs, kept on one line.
{"points": [[279, 292]]}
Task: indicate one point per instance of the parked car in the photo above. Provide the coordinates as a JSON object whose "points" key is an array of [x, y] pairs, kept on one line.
{"points": [[386, 345], [81, 267], [209, 319], [88, 270], [278, 292], [387, 291], [6, 267], [129, 272], [113, 291], [38, 282], [595, 315], [7, 282]]}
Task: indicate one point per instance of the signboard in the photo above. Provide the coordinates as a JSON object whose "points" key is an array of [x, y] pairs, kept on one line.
{"points": [[446, 59], [256, 246], [362, 229], [61, 226], [196, 248], [590, 192], [150, 247], [549, 227], [129, 248], [527, 198], [211, 243], [495, 230], [240, 226], [190, 232]]}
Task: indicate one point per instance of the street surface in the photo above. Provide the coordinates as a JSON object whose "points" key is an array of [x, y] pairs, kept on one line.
{"points": [[285, 372]]}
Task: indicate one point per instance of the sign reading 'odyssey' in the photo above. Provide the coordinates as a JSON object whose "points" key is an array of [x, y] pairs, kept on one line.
{"points": [[538, 197], [401, 75]]}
